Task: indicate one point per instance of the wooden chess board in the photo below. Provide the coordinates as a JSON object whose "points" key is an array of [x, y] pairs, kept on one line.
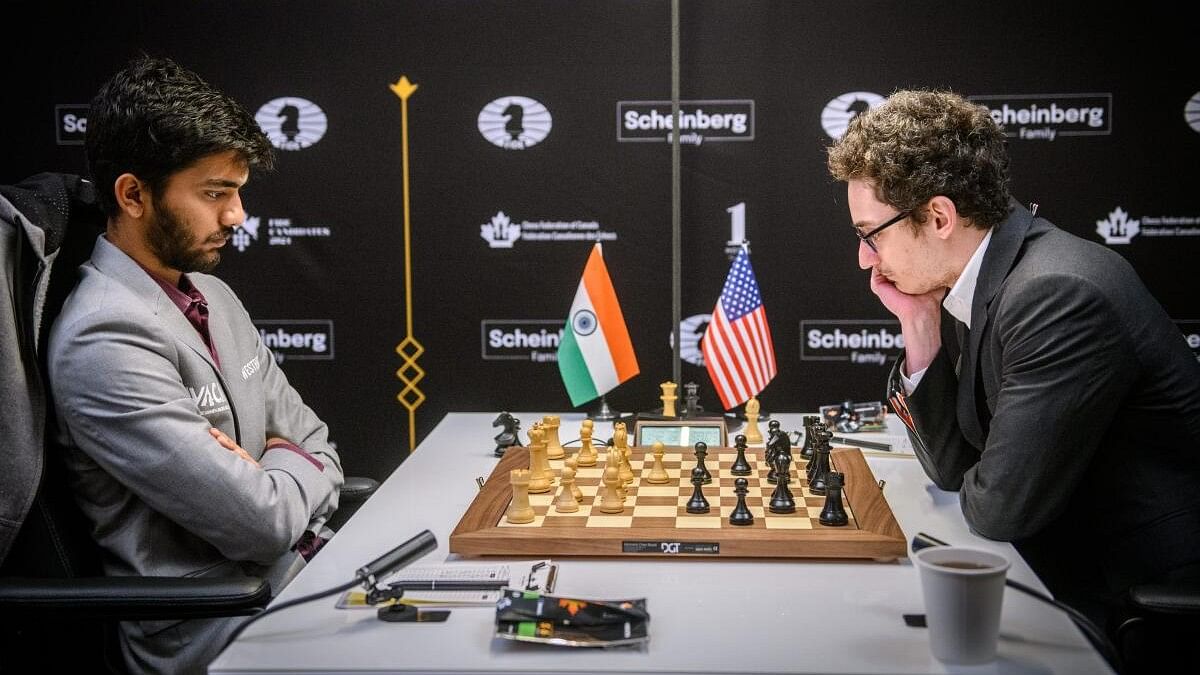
{"points": [[655, 522]]}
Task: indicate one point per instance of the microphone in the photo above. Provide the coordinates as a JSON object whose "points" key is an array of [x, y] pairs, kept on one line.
{"points": [[401, 556]]}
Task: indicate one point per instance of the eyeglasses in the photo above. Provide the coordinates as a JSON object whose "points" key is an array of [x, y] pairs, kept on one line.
{"points": [[869, 238]]}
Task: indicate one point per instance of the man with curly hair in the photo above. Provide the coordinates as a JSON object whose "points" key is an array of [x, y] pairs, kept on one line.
{"points": [[1040, 378]]}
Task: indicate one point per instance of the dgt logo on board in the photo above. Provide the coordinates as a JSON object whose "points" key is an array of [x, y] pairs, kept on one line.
{"points": [[515, 122], [534, 340], [717, 120], [303, 340], [1048, 116], [70, 126], [865, 342]]}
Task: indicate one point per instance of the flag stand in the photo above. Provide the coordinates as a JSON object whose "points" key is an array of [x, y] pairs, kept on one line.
{"points": [[604, 413]]}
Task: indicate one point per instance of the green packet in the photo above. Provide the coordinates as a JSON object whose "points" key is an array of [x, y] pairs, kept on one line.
{"points": [[527, 616], [523, 606]]}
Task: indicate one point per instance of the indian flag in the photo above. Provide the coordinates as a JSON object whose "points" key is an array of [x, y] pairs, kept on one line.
{"points": [[595, 354]]}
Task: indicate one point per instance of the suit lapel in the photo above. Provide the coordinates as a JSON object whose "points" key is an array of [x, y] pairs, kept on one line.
{"points": [[115, 263], [1007, 238]]}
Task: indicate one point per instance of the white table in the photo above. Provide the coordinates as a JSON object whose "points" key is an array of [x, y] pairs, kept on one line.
{"points": [[707, 616]]}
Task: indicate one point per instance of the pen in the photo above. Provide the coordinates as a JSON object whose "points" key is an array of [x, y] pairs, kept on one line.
{"points": [[449, 585], [862, 444]]}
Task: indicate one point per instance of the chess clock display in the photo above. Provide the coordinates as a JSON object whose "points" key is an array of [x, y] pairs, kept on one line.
{"points": [[680, 433]]}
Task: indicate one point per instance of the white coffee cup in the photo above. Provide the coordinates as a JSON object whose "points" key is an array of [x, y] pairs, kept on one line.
{"points": [[964, 591]]}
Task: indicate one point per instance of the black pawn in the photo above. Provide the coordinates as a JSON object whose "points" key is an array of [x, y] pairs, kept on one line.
{"points": [[697, 504], [806, 452], [782, 500], [701, 453], [741, 514], [741, 467], [834, 514]]}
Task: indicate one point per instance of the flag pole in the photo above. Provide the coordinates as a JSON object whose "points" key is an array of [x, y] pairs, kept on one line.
{"points": [[676, 284]]}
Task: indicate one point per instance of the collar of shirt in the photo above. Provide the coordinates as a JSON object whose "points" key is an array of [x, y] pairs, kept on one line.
{"points": [[958, 300], [178, 295]]}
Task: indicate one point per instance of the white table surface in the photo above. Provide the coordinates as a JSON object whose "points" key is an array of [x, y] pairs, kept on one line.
{"points": [[707, 616]]}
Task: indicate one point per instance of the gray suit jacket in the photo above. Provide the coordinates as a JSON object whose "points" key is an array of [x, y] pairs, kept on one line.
{"points": [[136, 391], [1071, 423]]}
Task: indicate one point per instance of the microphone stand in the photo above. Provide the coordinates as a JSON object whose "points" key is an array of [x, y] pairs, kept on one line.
{"points": [[367, 575]]}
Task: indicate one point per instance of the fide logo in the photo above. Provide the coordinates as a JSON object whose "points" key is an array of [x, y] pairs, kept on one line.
{"points": [[691, 331], [1118, 228], [836, 116], [514, 122], [292, 123], [1191, 112]]}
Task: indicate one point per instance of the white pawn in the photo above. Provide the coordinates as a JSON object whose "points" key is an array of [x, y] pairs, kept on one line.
{"points": [[572, 463], [566, 497], [613, 502], [658, 474], [587, 452]]}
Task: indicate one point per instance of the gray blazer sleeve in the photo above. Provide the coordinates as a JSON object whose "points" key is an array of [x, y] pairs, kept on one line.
{"points": [[118, 390]]}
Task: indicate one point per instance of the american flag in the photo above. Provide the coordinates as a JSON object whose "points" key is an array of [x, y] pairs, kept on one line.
{"points": [[737, 346]]}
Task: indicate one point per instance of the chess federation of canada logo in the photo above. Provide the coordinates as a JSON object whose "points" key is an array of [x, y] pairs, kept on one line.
{"points": [[515, 122], [292, 123], [1191, 112], [838, 113], [500, 231], [691, 331], [584, 322], [1118, 227]]}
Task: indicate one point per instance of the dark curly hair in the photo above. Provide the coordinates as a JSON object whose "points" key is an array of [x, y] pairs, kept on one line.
{"points": [[919, 144], [155, 118]]}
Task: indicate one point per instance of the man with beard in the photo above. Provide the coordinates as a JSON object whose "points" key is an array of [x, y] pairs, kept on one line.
{"points": [[186, 447]]}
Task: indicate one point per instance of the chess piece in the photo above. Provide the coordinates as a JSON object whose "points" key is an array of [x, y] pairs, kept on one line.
{"points": [[541, 476], [701, 453], [508, 436], [691, 401], [741, 514], [614, 459], [777, 443], [782, 500], [741, 467], [820, 436], [753, 435], [567, 500], [519, 511], [587, 455], [820, 474], [626, 468], [554, 448], [572, 464], [613, 501], [668, 398], [697, 504], [658, 474], [834, 514], [806, 452]]}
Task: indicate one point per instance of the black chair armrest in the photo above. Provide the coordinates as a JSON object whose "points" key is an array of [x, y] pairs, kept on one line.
{"points": [[1177, 599], [357, 489], [134, 598]]}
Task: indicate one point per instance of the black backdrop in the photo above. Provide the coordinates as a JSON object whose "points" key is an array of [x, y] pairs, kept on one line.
{"points": [[327, 258]]}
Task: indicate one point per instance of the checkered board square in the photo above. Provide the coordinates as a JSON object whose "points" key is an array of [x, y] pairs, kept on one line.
{"points": [[648, 505], [655, 521]]}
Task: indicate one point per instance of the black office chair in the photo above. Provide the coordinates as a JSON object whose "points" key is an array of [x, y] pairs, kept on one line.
{"points": [[1159, 635], [56, 605]]}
